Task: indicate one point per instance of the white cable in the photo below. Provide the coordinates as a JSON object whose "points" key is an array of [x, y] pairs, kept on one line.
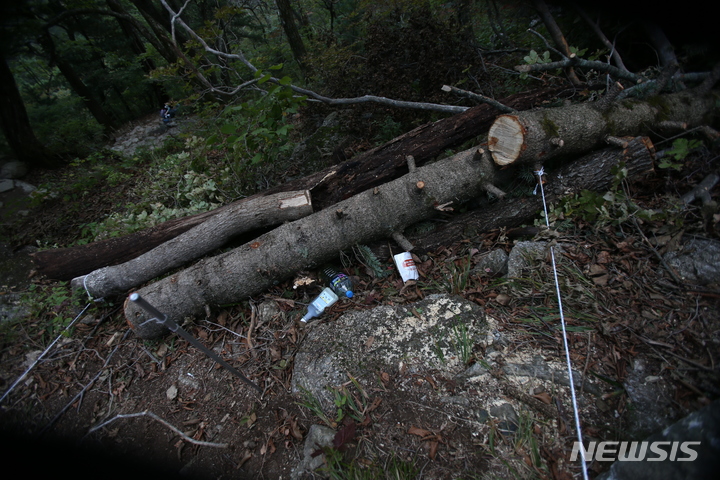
{"points": [[37, 360], [539, 174]]}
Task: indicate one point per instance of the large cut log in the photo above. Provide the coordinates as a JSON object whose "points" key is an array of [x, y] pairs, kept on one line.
{"points": [[251, 268], [536, 136], [374, 167], [196, 242], [594, 171]]}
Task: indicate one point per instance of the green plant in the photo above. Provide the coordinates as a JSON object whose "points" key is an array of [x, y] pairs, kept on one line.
{"points": [[613, 207], [463, 341], [53, 307], [458, 275], [310, 401], [258, 129], [681, 148], [533, 57], [365, 256], [392, 468]]}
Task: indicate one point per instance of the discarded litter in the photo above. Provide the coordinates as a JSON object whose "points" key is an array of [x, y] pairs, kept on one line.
{"points": [[406, 266], [340, 283], [326, 298]]}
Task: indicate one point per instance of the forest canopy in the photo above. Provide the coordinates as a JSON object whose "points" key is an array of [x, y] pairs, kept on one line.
{"points": [[74, 71]]}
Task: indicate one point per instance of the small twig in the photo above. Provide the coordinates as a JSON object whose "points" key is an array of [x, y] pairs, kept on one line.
{"points": [[147, 413], [84, 389], [253, 318]]}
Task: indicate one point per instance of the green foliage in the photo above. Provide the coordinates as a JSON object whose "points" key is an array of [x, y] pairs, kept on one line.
{"points": [[171, 190], [53, 307], [394, 468], [681, 148], [614, 207], [366, 257], [258, 129], [532, 58]]}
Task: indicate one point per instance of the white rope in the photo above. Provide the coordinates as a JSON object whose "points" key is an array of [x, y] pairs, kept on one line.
{"points": [[540, 174], [37, 360]]}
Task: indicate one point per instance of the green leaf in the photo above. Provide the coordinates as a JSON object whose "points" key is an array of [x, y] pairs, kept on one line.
{"points": [[264, 79], [228, 129], [279, 66]]}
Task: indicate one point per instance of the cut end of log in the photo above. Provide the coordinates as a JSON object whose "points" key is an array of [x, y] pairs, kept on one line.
{"points": [[297, 200], [506, 139]]}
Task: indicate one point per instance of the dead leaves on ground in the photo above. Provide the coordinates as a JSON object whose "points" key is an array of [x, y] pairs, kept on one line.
{"points": [[433, 439]]}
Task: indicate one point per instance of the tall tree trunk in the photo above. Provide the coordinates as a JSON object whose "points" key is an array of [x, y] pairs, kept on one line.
{"points": [[16, 124], [291, 31], [77, 85], [138, 47]]}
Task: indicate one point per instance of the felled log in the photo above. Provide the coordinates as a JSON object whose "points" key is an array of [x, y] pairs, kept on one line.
{"points": [[594, 171], [329, 186], [277, 255], [536, 136], [196, 242]]}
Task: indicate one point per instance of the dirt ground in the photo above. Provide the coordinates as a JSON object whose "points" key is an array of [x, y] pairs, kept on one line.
{"points": [[103, 402]]}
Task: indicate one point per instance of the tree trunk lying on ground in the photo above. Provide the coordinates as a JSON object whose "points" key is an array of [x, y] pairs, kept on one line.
{"points": [[372, 215], [305, 243], [374, 167], [196, 242], [594, 172], [536, 136]]}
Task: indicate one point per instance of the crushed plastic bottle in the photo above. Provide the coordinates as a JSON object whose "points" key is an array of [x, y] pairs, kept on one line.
{"points": [[340, 283], [326, 298]]}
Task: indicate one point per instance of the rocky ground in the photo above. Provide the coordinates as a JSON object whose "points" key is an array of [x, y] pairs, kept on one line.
{"points": [[459, 375]]}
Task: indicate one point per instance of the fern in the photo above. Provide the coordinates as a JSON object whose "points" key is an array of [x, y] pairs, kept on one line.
{"points": [[368, 258]]}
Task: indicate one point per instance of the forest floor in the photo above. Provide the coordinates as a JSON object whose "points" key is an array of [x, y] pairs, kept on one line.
{"points": [[104, 402]]}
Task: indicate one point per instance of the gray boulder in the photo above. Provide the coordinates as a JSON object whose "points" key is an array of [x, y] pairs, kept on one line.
{"points": [[14, 169], [697, 261], [434, 333], [703, 427]]}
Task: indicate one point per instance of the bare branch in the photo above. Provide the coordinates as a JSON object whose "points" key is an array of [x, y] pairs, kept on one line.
{"points": [[147, 413], [478, 97], [596, 28], [580, 62], [557, 37], [309, 93]]}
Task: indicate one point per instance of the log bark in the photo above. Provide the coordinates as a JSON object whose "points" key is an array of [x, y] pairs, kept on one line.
{"points": [[593, 171], [538, 135], [69, 263], [329, 186], [305, 243], [196, 242]]}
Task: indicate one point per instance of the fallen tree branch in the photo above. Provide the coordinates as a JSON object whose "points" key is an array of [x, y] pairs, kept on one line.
{"points": [[593, 171], [480, 98], [277, 255], [329, 186], [210, 235], [434, 107], [147, 413], [580, 62], [536, 136], [702, 190]]}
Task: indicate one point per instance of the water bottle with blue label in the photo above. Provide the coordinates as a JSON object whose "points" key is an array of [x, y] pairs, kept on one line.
{"points": [[340, 283]]}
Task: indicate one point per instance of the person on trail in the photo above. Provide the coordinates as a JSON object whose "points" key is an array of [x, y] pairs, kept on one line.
{"points": [[167, 113]]}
